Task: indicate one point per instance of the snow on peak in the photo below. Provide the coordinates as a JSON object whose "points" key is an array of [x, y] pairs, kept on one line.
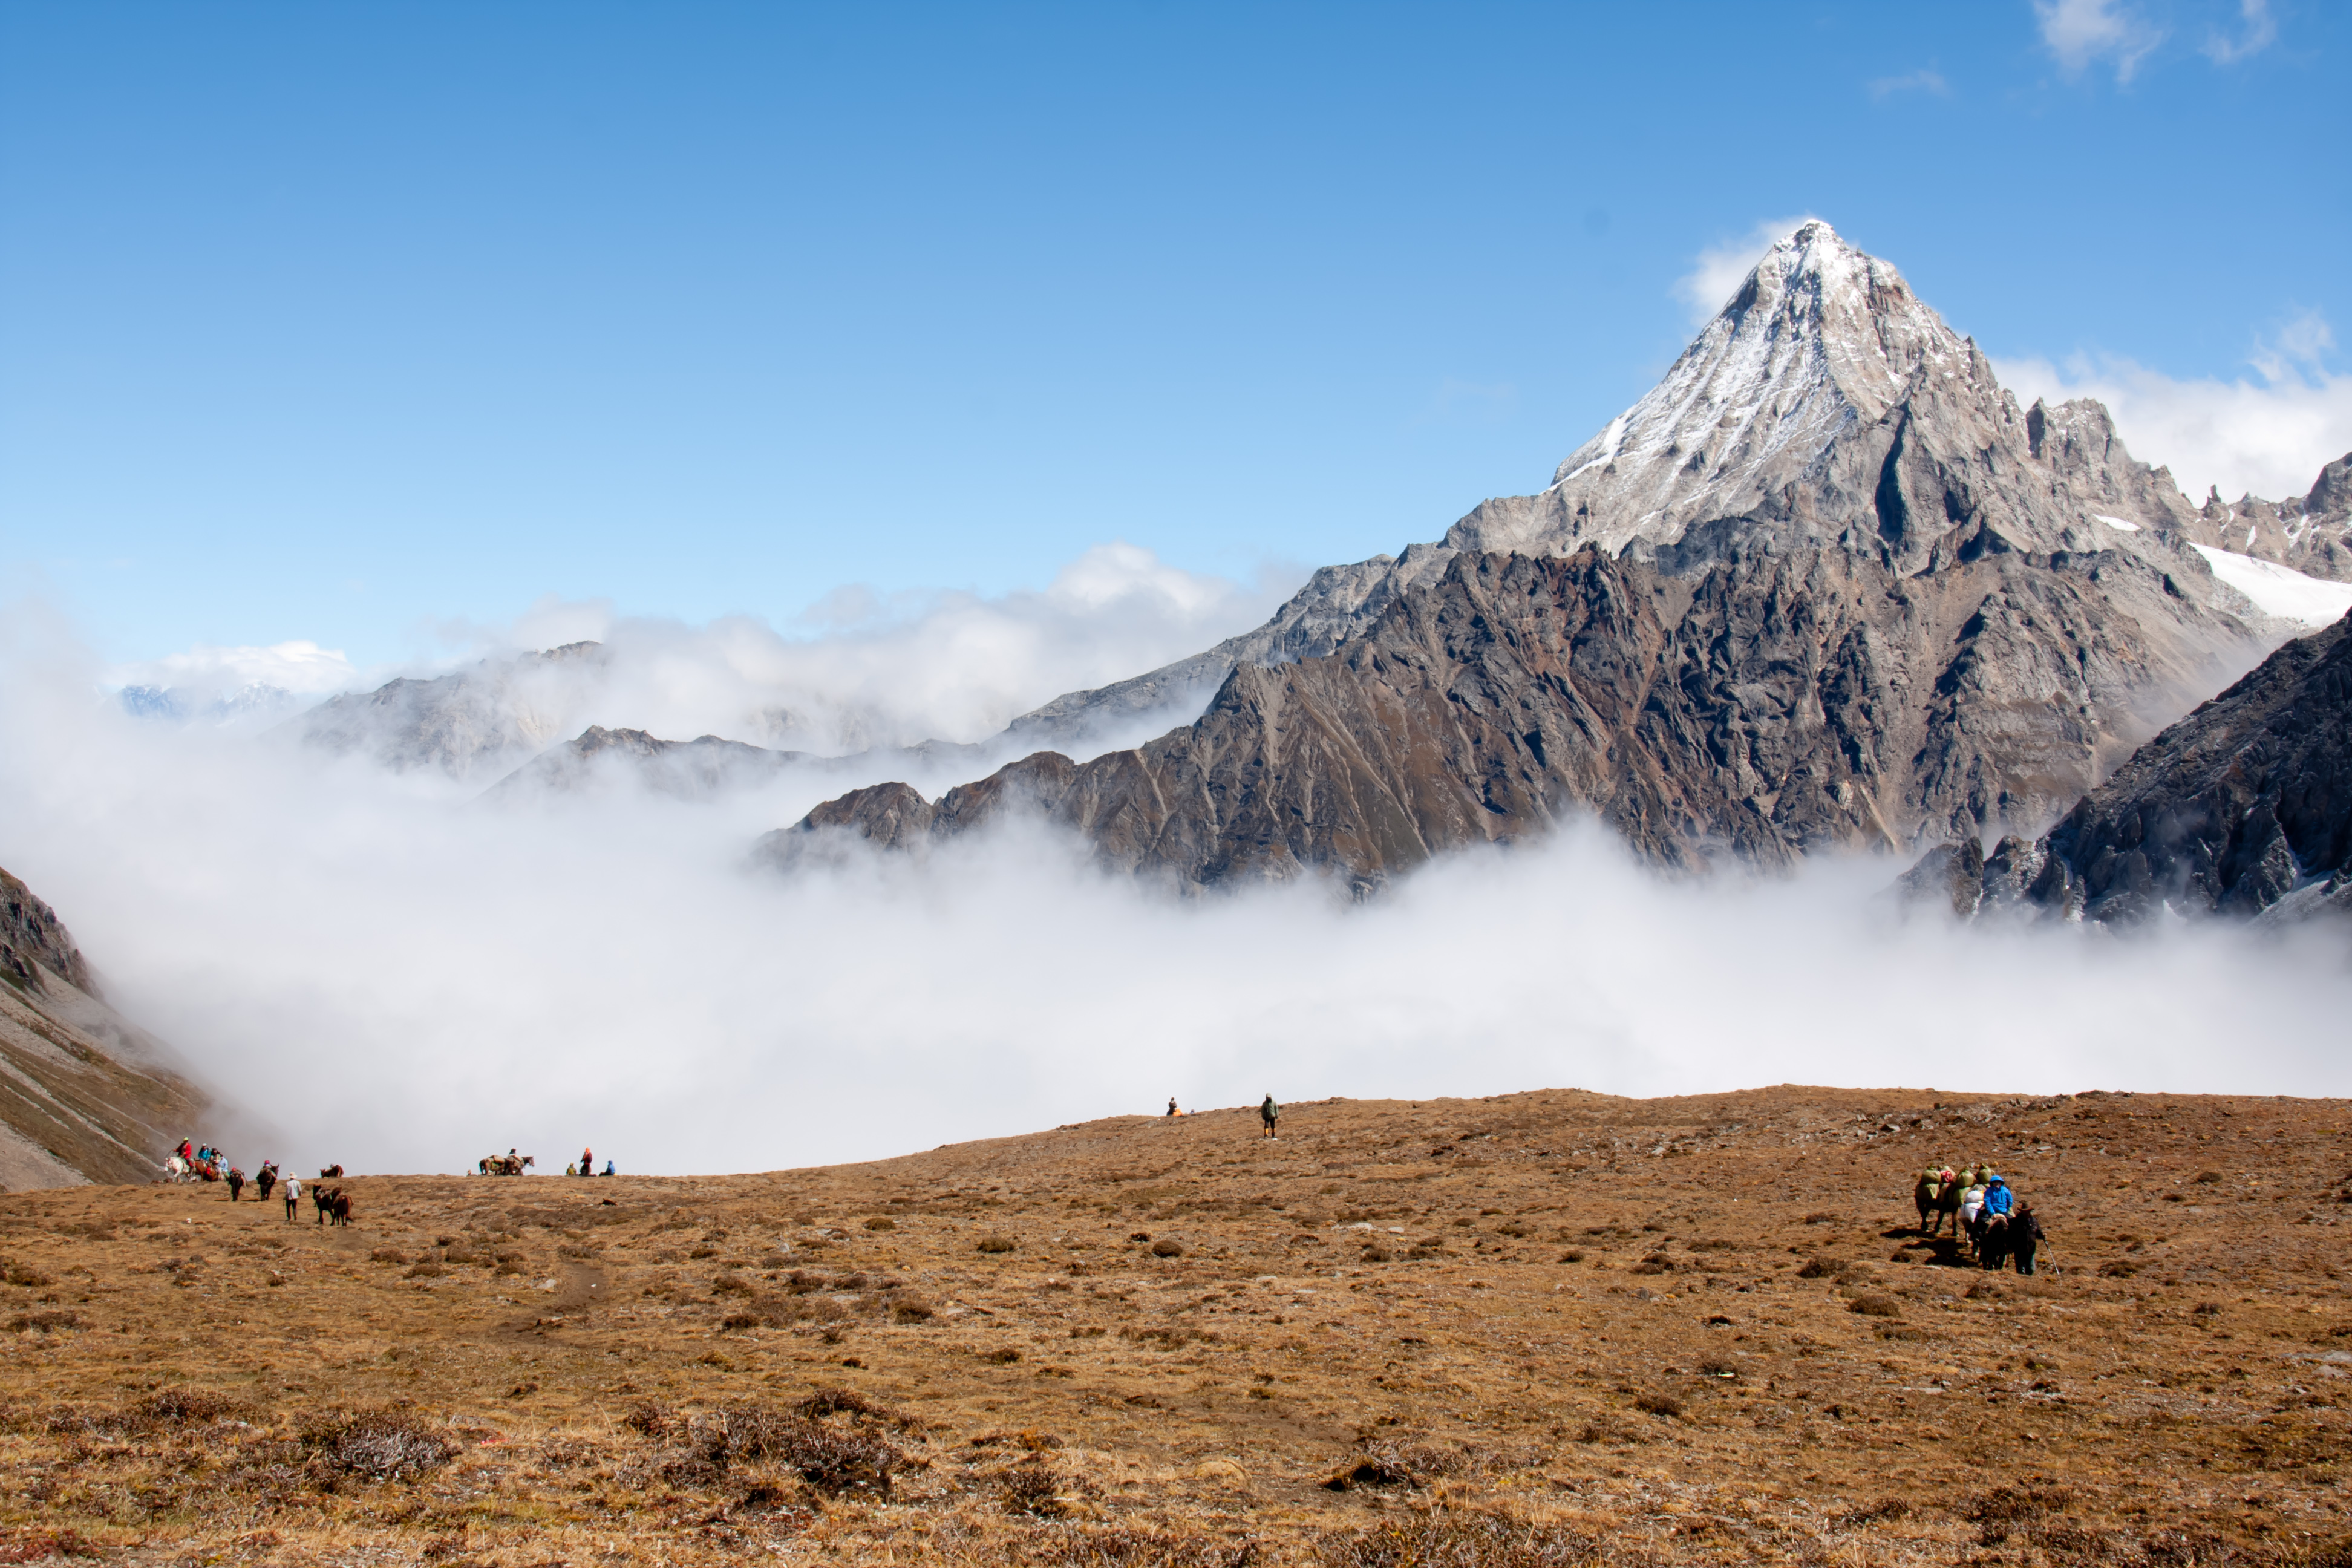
{"points": [[1821, 336]]}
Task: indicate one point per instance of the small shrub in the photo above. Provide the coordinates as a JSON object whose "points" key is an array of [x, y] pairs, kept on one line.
{"points": [[1003, 1355], [1164, 1247], [1573, 1255], [911, 1309], [506, 1269], [734, 1323], [31, 1278], [1032, 1490], [997, 1244], [387, 1255], [2208, 1178], [1375, 1253], [729, 1285], [424, 1271], [43, 1323], [882, 1222], [1658, 1404], [380, 1445], [702, 1252], [1874, 1306], [1820, 1268]]}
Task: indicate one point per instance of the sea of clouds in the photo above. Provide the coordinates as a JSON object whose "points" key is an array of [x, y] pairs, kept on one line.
{"points": [[385, 970]]}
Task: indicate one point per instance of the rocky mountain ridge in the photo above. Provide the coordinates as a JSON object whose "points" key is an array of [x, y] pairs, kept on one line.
{"points": [[1826, 396], [2244, 807]]}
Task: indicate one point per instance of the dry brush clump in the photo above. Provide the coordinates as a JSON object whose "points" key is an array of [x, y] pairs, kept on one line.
{"points": [[699, 1448], [378, 1445], [1452, 1539]]}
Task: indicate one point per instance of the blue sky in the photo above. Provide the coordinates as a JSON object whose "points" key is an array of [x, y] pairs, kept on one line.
{"points": [[346, 324]]}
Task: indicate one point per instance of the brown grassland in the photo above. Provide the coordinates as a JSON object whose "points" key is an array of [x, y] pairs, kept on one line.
{"points": [[1547, 1327]]}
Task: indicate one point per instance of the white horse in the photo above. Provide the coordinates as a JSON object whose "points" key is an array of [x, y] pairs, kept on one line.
{"points": [[177, 1169]]}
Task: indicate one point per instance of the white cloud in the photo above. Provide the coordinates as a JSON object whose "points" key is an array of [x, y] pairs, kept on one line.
{"points": [[393, 979], [1927, 79], [1720, 269], [857, 670], [2260, 32], [2080, 31], [2269, 438]]}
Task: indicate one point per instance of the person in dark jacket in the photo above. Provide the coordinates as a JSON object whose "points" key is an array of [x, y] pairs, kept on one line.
{"points": [[236, 1182], [1269, 1113]]}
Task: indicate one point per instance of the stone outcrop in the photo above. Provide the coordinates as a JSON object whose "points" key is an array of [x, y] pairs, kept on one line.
{"points": [[1768, 701], [2244, 807]]}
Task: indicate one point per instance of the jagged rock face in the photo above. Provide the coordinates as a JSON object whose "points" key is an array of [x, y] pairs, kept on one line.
{"points": [[464, 724], [33, 939], [2313, 535], [84, 1097], [1826, 400], [1771, 701], [2242, 807]]}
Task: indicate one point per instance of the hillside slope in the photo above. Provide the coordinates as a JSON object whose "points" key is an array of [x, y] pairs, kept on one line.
{"points": [[1543, 1329], [84, 1095]]}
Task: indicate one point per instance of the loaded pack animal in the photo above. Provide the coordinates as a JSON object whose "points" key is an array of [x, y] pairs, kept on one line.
{"points": [[1937, 1196], [2013, 1238], [507, 1164], [264, 1178], [331, 1174], [322, 1198], [236, 1182]]}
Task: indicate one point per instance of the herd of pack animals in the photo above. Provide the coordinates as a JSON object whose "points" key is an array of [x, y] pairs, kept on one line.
{"points": [[1967, 1198], [1964, 1197]]}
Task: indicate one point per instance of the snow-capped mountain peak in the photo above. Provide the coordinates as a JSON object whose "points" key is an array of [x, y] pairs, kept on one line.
{"points": [[1820, 338]]}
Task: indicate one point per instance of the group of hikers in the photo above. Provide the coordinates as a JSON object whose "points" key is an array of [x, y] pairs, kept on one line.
{"points": [[587, 1167], [1268, 1113], [2001, 1227]]}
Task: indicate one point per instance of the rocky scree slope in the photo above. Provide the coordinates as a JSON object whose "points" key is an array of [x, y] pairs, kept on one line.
{"points": [[1829, 584], [84, 1096], [1776, 701], [2244, 807]]}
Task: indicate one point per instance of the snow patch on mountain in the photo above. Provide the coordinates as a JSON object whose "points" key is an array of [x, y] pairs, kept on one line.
{"points": [[2280, 591]]}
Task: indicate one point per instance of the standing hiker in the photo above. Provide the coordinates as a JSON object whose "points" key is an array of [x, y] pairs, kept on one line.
{"points": [[293, 1196], [1269, 1113]]}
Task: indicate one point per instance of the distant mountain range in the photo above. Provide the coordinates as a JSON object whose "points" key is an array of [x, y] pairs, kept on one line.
{"points": [[1826, 585]]}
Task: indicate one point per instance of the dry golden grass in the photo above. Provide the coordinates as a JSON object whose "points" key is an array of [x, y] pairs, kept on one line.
{"points": [[1552, 1327]]}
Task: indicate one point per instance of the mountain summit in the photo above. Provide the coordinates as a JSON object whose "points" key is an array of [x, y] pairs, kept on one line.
{"points": [[1826, 583]]}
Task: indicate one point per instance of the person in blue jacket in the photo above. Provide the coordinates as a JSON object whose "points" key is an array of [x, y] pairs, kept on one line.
{"points": [[1998, 1199]]}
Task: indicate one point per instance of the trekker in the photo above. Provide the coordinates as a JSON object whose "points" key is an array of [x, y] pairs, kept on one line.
{"points": [[608, 1169], [587, 1161], [1269, 1113], [1172, 1105], [236, 1182], [293, 1196], [1998, 1198]]}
